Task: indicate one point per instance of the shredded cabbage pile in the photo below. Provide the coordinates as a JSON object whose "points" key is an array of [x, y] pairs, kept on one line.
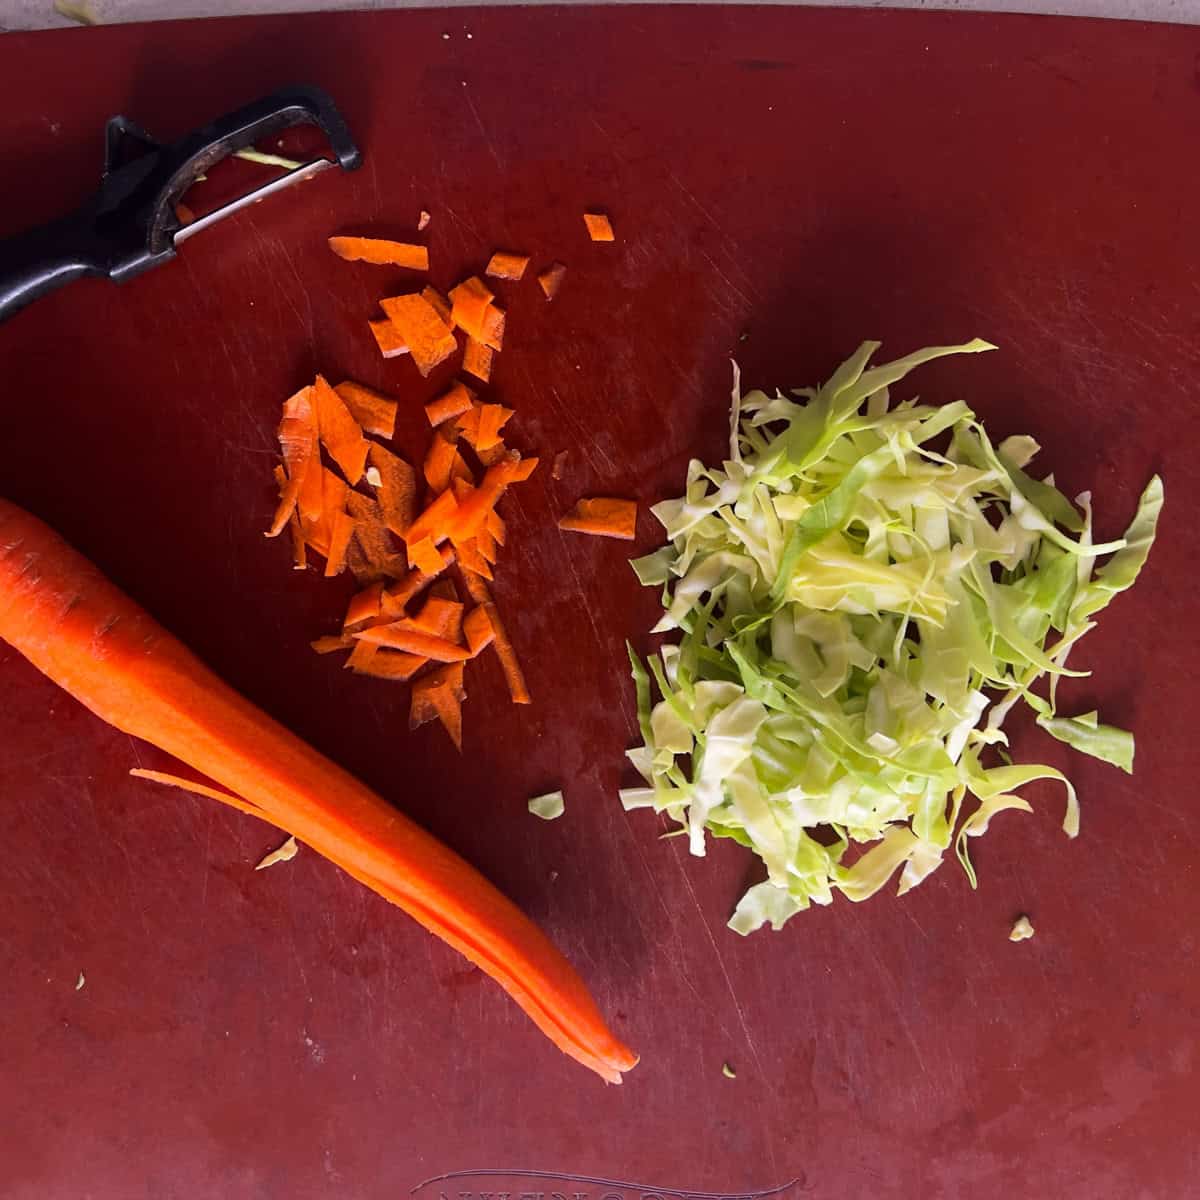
{"points": [[860, 612]]}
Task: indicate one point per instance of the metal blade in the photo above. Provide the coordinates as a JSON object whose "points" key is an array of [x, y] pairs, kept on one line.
{"points": [[299, 175]]}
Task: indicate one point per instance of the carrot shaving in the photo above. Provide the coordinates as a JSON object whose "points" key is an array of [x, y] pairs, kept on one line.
{"points": [[413, 641], [391, 664], [470, 559], [492, 418], [299, 550], [361, 657], [602, 517], [422, 329], [448, 405], [551, 279], [374, 412], [397, 489], [492, 334], [388, 338], [439, 304], [424, 557], [486, 544], [439, 462], [440, 694], [477, 360], [363, 606], [400, 593], [381, 252], [332, 643], [434, 521], [509, 662], [507, 266], [478, 629], [441, 617], [298, 445], [496, 527], [339, 543], [379, 559], [200, 789], [339, 431], [599, 227], [469, 304], [333, 492]]}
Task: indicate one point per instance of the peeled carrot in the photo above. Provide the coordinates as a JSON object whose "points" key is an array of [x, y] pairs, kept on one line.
{"points": [[507, 266], [422, 329], [599, 227], [374, 412], [448, 405], [339, 431], [72, 624], [381, 252], [388, 338], [477, 360], [603, 517], [551, 279]]}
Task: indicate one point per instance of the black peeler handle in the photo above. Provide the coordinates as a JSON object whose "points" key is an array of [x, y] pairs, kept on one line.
{"points": [[130, 225]]}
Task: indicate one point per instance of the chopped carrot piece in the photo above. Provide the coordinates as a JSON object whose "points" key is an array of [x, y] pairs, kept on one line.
{"points": [[551, 279], [439, 694], [390, 664], [379, 556], [332, 643], [509, 663], [493, 454], [471, 560], [438, 303], [400, 593], [298, 445], [477, 626], [388, 338], [448, 405], [449, 711], [459, 471], [339, 431], [413, 641], [603, 517], [333, 492], [424, 557], [492, 418], [423, 220], [493, 328], [477, 360], [471, 303], [381, 252], [339, 543], [397, 490], [473, 511], [599, 227], [486, 544], [363, 606], [441, 617], [468, 424], [496, 527], [560, 459], [434, 521], [439, 462], [417, 321], [360, 657], [507, 266], [371, 409], [299, 550]]}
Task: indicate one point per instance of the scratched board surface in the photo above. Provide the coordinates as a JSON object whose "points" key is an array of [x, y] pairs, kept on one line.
{"points": [[783, 184]]}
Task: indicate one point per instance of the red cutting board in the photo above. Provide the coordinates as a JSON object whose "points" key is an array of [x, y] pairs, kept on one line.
{"points": [[784, 183]]}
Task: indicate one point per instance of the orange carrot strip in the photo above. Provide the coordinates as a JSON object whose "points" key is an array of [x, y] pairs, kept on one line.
{"points": [[400, 593], [477, 627], [486, 544], [492, 334], [492, 418], [509, 663], [603, 517], [439, 462], [199, 789], [298, 444], [333, 491], [371, 409], [339, 431], [467, 425], [449, 711], [414, 641], [417, 321], [397, 490], [441, 617], [473, 511], [450, 404], [381, 252], [331, 643], [421, 709], [507, 266], [423, 556], [388, 338], [477, 360], [433, 522], [439, 304], [469, 303], [459, 471], [339, 543], [599, 227], [496, 527], [391, 664], [551, 279], [440, 694], [471, 560], [363, 606], [361, 657], [299, 551], [380, 559], [71, 623]]}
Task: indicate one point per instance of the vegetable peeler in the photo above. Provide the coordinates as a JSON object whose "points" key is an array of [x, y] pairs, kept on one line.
{"points": [[131, 224]]}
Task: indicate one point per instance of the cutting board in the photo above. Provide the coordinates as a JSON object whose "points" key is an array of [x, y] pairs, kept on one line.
{"points": [[784, 183]]}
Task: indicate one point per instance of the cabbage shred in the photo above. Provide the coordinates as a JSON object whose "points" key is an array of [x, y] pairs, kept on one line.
{"points": [[858, 613]]}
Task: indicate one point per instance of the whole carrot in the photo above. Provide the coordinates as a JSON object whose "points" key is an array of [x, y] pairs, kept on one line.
{"points": [[76, 627]]}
